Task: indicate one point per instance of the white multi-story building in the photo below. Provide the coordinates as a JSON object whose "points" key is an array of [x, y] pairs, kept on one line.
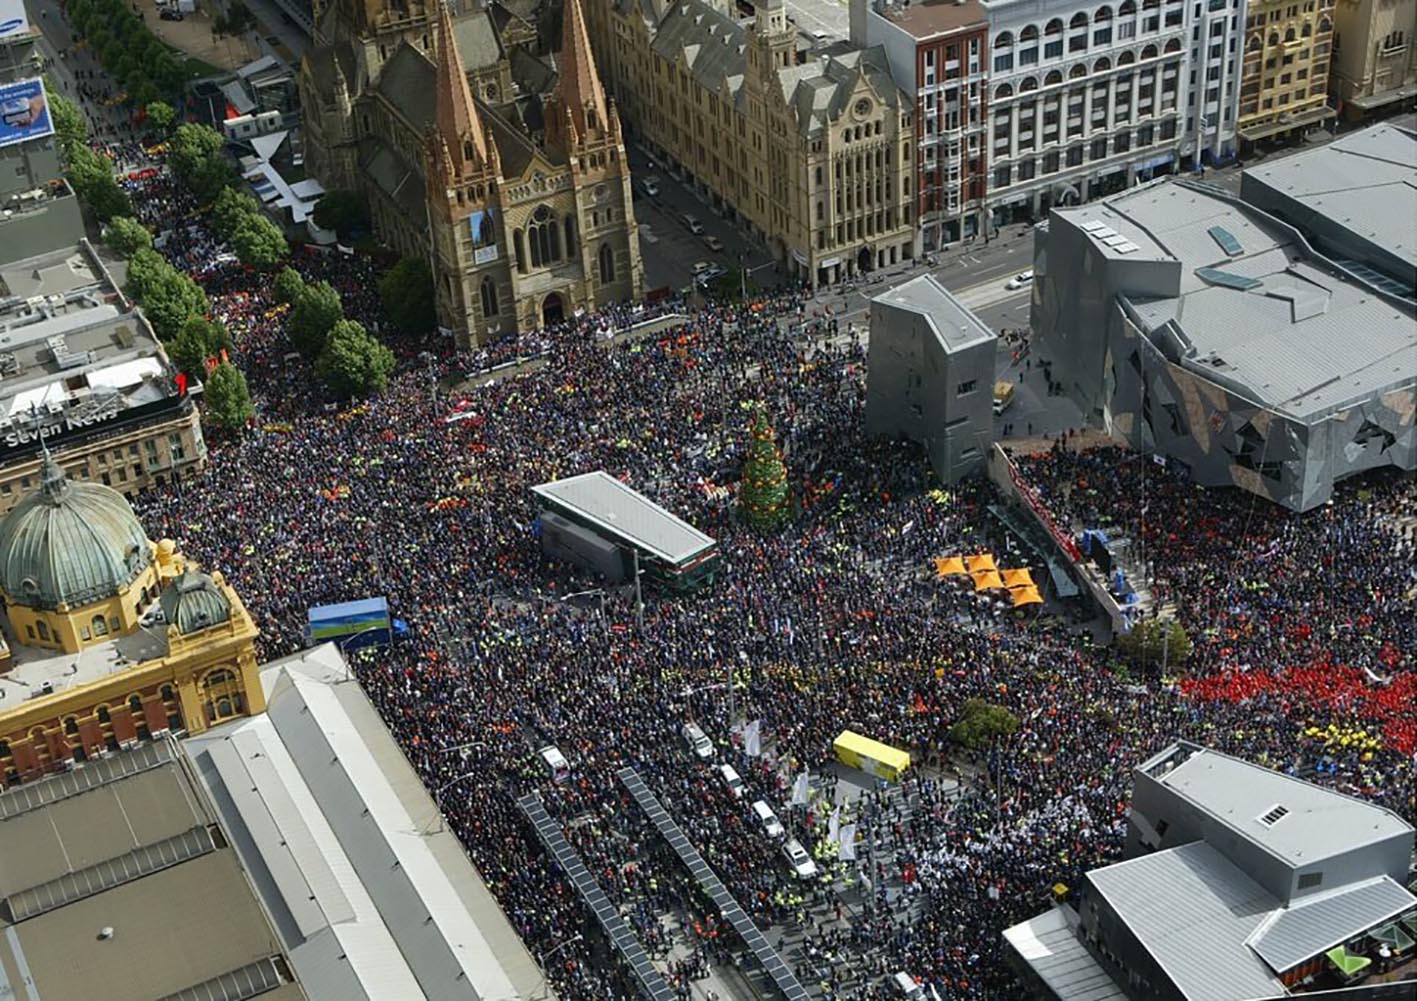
{"points": [[1085, 98], [1213, 82]]}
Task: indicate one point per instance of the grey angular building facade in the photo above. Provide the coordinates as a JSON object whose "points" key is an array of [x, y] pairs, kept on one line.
{"points": [[930, 376], [1196, 327]]}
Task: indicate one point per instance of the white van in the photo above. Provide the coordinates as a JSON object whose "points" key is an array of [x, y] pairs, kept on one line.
{"points": [[556, 763], [731, 780], [697, 741], [906, 986], [768, 819]]}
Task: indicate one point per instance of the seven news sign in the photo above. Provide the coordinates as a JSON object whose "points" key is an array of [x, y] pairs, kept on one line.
{"points": [[24, 112]]}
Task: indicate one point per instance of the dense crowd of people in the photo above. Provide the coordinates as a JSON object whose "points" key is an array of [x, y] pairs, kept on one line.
{"points": [[835, 623]]}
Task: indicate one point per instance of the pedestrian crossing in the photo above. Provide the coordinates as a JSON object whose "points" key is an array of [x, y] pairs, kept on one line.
{"points": [[652, 984], [782, 976]]}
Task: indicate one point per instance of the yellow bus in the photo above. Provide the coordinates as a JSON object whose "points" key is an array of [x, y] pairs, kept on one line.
{"points": [[871, 756]]}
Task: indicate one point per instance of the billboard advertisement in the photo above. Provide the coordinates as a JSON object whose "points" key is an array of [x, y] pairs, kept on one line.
{"points": [[24, 112], [12, 18]]}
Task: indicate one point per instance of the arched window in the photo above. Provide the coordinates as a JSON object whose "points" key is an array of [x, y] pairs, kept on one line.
{"points": [[1289, 35], [1102, 65], [1149, 52], [1077, 72], [1029, 34], [489, 296], [1306, 31], [544, 236], [1173, 46], [104, 716], [1325, 25], [1126, 59], [1103, 14], [1255, 43], [570, 238], [1004, 90], [607, 264], [71, 726], [1274, 38], [1127, 9], [135, 705], [218, 677], [1053, 77], [100, 627], [1004, 40], [167, 694], [1079, 20], [1054, 27], [1029, 83], [519, 246]]}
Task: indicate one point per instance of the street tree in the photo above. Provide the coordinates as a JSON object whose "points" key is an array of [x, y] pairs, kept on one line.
{"points": [[313, 314], [407, 291], [343, 211], [231, 208], [228, 398], [259, 243], [126, 236], [70, 128], [161, 116], [981, 724], [198, 340], [354, 362], [288, 285], [1154, 643]]}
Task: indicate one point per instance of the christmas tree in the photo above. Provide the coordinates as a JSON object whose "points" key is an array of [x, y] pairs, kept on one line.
{"points": [[762, 494]]}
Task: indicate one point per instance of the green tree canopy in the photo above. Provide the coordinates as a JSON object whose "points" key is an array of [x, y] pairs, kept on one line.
{"points": [[354, 362], [763, 500], [228, 398], [231, 208], [343, 211], [407, 291], [312, 315], [126, 236], [198, 340], [169, 298], [161, 116], [195, 153], [70, 128], [288, 285], [91, 176], [1152, 641], [981, 723], [259, 243]]}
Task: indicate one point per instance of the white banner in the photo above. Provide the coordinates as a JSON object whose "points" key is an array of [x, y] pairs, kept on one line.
{"points": [[799, 790], [753, 738], [848, 843], [834, 824]]}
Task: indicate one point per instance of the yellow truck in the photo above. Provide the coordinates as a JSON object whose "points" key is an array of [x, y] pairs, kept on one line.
{"points": [[1003, 396], [871, 756]]}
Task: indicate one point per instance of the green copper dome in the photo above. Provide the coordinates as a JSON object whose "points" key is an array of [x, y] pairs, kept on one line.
{"points": [[193, 602], [70, 543]]}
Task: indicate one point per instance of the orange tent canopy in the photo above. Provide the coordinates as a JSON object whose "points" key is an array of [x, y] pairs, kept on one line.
{"points": [[1026, 596], [1018, 578], [948, 566], [984, 561], [987, 580]]}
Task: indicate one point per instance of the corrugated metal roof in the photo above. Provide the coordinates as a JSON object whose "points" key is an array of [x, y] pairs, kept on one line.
{"points": [[1053, 951], [1316, 924], [610, 504], [1320, 822], [1193, 911]]}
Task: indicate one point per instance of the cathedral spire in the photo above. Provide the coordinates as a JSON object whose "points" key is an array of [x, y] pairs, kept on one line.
{"points": [[581, 95], [459, 128]]}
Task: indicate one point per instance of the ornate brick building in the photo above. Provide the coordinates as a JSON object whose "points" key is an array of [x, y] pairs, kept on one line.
{"points": [[480, 149]]}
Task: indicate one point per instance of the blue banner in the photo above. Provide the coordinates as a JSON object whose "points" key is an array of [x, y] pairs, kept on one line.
{"points": [[24, 112]]}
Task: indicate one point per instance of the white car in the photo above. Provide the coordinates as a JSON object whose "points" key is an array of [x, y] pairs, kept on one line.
{"points": [[771, 825], [1018, 281], [713, 243], [650, 186], [799, 860]]}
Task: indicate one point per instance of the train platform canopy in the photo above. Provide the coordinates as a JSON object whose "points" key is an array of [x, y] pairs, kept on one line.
{"points": [[602, 502]]}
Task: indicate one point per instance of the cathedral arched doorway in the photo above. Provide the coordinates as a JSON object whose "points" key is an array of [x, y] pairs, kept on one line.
{"points": [[553, 309], [865, 260]]}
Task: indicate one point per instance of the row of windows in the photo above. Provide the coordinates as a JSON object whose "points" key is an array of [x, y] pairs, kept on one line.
{"points": [[1098, 149], [1081, 71]]}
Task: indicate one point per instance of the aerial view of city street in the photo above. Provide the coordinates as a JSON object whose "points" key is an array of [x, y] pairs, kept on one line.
{"points": [[708, 500]]}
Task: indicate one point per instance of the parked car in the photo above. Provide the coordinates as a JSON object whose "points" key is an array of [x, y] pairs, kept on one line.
{"points": [[697, 741], [170, 14], [713, 243], [797, 857], [694, 226], [702, 266], [650, 186], [771, 825], [1021, 280]]}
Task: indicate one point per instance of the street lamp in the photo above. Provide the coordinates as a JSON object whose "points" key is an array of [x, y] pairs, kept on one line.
{"points": [[545, 984], [462, 747], [438, 797], [744, 272], [340, 645], [599, 592]]}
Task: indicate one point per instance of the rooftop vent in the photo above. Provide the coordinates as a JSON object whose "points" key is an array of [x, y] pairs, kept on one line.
{"points": [[1274, 815], [1227, 241]]}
